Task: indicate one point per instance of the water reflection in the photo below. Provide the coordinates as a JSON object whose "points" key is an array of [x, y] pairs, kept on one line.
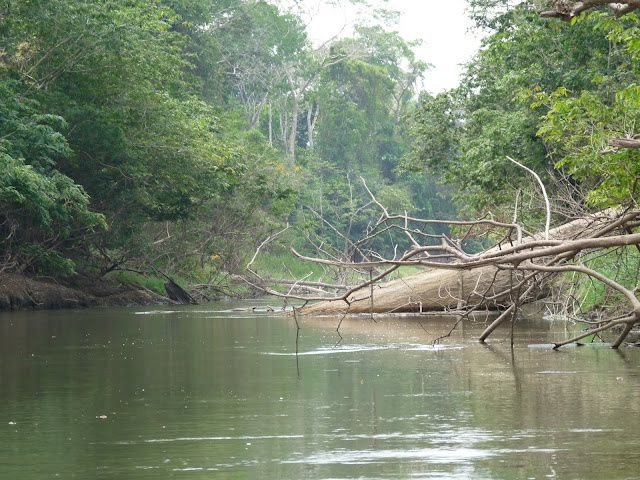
{"points": [[219, 392]]}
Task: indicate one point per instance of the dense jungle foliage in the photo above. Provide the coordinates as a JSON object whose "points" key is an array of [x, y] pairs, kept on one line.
{"points": [[178, 134], [552, 94]]}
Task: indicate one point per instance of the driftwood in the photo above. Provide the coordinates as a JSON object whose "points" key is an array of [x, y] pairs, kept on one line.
{"points": [[517, 270], [452, 286], [178, 294], [506, 276]]}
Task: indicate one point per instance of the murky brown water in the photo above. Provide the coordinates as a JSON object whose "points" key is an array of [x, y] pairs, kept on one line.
{"points": [[195, 394]]}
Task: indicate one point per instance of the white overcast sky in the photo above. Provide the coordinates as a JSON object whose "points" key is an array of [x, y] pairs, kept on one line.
{"points": [[442, 25]]}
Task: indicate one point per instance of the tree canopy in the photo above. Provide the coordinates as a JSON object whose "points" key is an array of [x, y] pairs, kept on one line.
{"points": [[133, 130], [179, 133], [559, 96]]}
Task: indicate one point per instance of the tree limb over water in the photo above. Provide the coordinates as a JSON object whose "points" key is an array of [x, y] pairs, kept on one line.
{"points": [[567, 10], [514, 271]]}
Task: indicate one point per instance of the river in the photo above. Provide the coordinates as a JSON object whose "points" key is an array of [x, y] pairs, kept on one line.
{"points": [[209, 392]]}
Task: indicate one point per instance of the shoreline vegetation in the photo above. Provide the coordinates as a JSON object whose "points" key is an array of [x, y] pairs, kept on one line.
{"points": [[210, 146]]}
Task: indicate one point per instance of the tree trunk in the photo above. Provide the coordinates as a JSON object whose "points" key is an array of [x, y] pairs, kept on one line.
{"points": [[284, 126], [625, 143], [434, 290], [178, 294], [293, 132], [312, 117], [270, 125], [443, 289]]}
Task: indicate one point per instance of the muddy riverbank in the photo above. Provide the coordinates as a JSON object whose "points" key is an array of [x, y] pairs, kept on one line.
{"points": [[19, 292]]}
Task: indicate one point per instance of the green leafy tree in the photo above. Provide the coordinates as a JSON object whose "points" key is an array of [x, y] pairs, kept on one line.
{"points": [[44, 215], [593, 133], [489, 117], [145, 147], [363, 100]]}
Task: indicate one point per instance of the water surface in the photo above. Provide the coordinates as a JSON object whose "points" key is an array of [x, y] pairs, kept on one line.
{"points": [[207, 392]]}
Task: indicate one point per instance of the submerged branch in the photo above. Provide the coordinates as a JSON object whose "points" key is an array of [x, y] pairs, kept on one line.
{"points": [[498, 278]]}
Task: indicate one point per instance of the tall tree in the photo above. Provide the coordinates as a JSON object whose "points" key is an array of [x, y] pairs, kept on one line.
{"points": [[489, 117], [363, 100], [144, 147]]}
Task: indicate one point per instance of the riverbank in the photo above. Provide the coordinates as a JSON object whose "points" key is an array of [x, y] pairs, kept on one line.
{"points": [[19, 292]]}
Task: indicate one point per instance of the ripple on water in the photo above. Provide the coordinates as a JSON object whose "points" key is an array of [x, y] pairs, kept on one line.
{"points": [[458, 455], [370, 347], [550, 346], [158, 312], [558, 372], [209, 439], [445, 439], [211, 314]]}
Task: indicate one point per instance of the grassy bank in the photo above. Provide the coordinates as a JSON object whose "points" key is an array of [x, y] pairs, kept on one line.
{"points": [[584, 295]]}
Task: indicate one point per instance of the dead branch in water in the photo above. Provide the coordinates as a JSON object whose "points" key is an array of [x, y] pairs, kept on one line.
{"points": [[515, 270]]}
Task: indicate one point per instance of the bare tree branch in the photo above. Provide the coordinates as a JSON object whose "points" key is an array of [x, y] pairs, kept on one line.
{"points": [[547, 225], [501, 278], [567, 10]]}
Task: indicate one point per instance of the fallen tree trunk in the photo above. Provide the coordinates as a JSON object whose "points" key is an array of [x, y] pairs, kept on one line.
{"points": [[428, 291], [516, 271], [460, 285]]}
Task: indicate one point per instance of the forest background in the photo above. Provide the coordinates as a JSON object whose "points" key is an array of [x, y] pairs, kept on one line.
{"points": [[174, 136]]}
